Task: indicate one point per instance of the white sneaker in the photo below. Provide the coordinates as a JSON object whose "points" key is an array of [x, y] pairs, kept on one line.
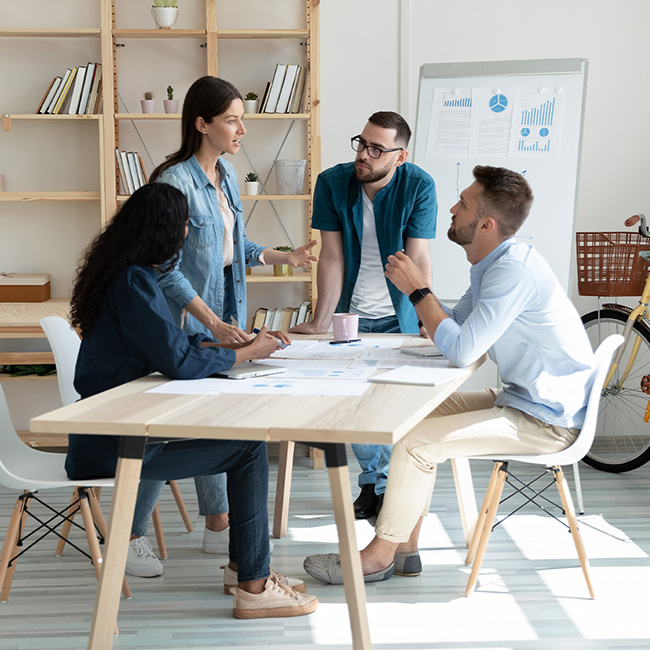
{"points": [[216, 542], [141, 561]]}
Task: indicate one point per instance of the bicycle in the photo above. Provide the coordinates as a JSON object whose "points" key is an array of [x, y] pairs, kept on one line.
{"points": [[614, 264]]}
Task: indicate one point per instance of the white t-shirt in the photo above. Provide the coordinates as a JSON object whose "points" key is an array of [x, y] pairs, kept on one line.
{"points": [[370, 298]]}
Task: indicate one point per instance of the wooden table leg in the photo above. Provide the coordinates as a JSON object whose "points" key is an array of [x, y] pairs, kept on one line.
{"points": [[283, 488], [355, 590], [107, 600], [465, 495]]}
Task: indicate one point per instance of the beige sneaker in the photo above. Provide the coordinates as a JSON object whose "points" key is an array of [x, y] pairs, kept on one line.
{"points": [[276, 601], [230, 580]]}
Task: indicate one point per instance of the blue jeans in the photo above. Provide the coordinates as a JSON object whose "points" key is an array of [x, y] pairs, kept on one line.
{"points": [[374, 459], [210, 493], [247, 468]]}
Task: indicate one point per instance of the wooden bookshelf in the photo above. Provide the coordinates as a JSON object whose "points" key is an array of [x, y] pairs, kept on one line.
{"points": [[50, 196]]}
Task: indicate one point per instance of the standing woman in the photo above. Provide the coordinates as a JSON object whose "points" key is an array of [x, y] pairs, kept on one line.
{"points": [[206, 290]]}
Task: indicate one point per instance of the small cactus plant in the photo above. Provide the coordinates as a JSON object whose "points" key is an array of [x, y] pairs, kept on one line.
{"points": [[170, 93], [251, 177], [148, 96], [251, 97]]}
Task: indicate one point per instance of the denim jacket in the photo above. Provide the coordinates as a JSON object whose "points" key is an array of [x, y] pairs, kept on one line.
{"points": [[200, 269]]}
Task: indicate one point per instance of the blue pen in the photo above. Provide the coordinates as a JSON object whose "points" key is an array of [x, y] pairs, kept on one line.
{"points": [[280, 343], [343, 342]]}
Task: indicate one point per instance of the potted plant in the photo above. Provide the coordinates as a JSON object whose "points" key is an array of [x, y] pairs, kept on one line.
{"points": [[165, 13], [171, 104], [283, 270], [252, 184], [148, 103], [251, 103]]}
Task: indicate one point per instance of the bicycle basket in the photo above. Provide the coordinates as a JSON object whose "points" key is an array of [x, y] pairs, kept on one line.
{"points": [[609, 263]]}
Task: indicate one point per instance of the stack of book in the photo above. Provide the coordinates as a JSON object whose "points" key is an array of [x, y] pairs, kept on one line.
{"points": [[132, 175], [77, 92], [282, 319], [286, 93]]}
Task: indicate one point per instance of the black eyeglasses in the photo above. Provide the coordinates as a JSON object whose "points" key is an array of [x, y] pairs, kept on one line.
{"points": [[358, 145]]}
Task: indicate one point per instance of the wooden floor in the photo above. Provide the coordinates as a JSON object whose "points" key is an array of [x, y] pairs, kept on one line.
{"points": [[531, 592]]}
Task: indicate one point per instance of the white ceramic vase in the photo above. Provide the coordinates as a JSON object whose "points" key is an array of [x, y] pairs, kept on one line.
{"points": [[148, 105], [251, 106], [171, 105], [165, 17], [252, 187]]}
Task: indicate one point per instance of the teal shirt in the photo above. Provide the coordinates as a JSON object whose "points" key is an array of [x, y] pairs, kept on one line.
{"points": [[406, 207]]}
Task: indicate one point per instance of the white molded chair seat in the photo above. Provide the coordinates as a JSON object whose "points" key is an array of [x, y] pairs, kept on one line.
{"points": [[568, 456], [29, 470]]}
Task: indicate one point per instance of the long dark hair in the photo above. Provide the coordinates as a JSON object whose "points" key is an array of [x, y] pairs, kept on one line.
{"points": [[207, 97], [148, 230]]}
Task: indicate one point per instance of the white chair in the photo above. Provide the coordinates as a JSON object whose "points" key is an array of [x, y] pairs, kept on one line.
{"points": [[552, 463], [65, 344], [29, 470]]}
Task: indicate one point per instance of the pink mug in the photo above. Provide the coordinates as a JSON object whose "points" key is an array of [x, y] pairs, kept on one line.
{"points": [[345, 326]]}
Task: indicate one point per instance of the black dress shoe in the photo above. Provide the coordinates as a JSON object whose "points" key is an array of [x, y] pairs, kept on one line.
{"points": [[365, 504], [380, 503]]}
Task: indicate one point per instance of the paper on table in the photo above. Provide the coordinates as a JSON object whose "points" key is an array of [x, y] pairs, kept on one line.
{"points": [[266, 386], [210, 386], [325, 369], [386, 344], [421, 376]]}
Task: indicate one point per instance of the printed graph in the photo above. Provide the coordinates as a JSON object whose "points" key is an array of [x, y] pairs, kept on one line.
{"points": [[539, 115], [537, 123], [465, 102]]}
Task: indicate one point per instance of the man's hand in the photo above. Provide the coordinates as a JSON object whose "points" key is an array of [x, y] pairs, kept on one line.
{"points": [[262, 346], [301, 256], [307, 328], [403, 273], [281, 336]]}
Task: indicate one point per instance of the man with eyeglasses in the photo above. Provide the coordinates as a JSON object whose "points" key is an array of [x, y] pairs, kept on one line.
{"points": [[366, 210]]}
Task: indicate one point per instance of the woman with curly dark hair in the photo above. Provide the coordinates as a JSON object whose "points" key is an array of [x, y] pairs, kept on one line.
{"points": [[129, 332]]}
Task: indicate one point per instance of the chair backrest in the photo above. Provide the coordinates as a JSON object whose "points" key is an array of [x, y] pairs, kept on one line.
{"points": [[65, 343], [585, 439]]}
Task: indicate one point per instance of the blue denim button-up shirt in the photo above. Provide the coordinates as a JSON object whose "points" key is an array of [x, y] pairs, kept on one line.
{"points": [[406, 207], [200, 268], [516, 310]]}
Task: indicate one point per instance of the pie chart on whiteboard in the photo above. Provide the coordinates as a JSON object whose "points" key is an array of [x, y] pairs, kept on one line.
{"points": [[498, 103]]}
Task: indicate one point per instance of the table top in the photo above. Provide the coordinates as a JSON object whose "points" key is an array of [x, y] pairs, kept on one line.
{"points": [[382, 415]]}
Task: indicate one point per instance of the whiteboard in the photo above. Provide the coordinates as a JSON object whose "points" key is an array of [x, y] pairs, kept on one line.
{"points": [[463, 113]]}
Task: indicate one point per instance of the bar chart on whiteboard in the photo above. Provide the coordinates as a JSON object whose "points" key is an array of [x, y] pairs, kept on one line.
{"points": [[539, 115]]}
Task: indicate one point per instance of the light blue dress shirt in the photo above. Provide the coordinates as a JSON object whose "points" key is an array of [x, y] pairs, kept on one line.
{"points": [[200, 268], [516, 310]]}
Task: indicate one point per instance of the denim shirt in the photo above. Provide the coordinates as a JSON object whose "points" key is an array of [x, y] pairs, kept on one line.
{"points": [[516, 310], [200, 270], [406, 207]]}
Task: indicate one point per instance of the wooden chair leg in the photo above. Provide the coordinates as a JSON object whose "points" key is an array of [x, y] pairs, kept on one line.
{"points": [[10, 547], [465, 496], [160, 536], [178, 497], [471, 551], [567, 504], [93, 544], [65, 529], [100, 521], [317, 457], [283, 488], [486, 529]]}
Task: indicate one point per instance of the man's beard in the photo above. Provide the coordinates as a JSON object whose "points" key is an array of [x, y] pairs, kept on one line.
{"points": [[463, 236], [365, 175]]}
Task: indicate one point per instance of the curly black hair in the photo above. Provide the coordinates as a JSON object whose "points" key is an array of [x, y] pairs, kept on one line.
{"points": [[148, 230]]}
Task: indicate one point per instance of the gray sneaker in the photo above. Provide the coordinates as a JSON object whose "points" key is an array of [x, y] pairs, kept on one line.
{"points": [[141, 561], [327, 568], [408, 564]]}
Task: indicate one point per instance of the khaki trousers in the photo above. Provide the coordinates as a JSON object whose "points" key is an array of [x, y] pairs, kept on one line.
{"points": [[466, 424]]}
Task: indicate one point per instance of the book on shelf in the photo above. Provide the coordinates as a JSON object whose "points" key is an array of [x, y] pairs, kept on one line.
{"points": [[133, 163], [64, 79], [287, 86], [285, 323], [276, 87], [124, 187], [143, 175], [302, 311], [259, 319], [97, 109], [95, 90], [300, 90], [75, 94], [85, 89], [65, 88], [48, 96], [265, 96]]}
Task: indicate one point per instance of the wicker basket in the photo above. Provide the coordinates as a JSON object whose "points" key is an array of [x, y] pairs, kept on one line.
{"points": [[609, 263]]}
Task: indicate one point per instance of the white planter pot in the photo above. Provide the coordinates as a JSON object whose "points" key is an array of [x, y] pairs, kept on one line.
{"points": [[251, 106], [252, 188], [148, 105], [171, 105], [164, 17]]}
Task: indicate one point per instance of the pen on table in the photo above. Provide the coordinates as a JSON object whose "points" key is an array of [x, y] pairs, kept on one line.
{"points": [[342, 342], [280, 343]]}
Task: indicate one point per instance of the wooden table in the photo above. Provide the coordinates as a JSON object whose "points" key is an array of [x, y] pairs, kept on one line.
{"points": [[384, 414]]}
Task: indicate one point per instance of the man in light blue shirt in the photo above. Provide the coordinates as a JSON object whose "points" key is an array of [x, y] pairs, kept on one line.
{"points": [[516, 311]]}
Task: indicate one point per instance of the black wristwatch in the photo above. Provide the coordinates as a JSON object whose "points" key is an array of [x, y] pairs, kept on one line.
{"points": [[418, 294]]}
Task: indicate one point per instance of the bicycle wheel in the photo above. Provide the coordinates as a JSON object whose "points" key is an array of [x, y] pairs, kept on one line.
{"points": [[622, 441]]}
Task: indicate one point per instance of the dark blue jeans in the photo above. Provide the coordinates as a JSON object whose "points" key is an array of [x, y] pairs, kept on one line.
{"points": [[247, 468], [375, 459]]}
